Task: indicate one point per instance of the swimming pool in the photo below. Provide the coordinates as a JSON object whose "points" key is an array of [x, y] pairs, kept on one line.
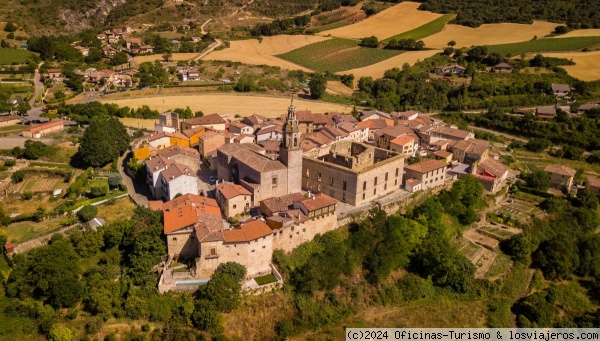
{"points": [[191, 282]]}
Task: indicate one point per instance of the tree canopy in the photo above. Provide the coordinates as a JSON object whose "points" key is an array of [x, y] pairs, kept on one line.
{"points": [[103, 141]]}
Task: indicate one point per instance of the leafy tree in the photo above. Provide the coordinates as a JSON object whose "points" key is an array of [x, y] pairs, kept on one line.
{"points": [[371, 41], [87, 213], [10, 27], [519, 247], [317, 85], [36, 149], [3, 237], [245, 84], [207, 317], [119, 58], [94, 55], [98, 191], [537, 310], [61, 333], [233, 269], [537, 179], [59, 95], [104, 140], [586, 199], [451, 43], [589, 256], [557, 258], [114, 179]]}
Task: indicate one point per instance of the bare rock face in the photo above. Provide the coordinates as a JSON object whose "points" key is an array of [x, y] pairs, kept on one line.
{"points": [[76, 21]]}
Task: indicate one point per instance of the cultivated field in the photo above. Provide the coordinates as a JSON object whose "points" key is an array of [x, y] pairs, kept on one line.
{"points": [[151, 58], [488, 34], [378, 69], [545, 45], [233, 104], [38, 184], [253, 52], [426, 30], [337, 55], [586, 65], [387, 23], [339, 87], [8, 56], [592, 32], [138, 123]]}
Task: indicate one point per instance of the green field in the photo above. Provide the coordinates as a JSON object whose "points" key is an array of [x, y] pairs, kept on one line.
{"points": [[9, 56], [545, 45], [337, 55], [327, 27], [426, 30]]}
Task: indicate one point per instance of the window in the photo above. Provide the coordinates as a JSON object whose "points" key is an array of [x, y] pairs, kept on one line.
{"points": [[274, 181], [264, 247], [331, 181], [252, 251], [386, 176], [318, 176], [374, 191], [307, 172], [303, 230], [375, 181], [174, 239], [364, 185], [213, 251], [344, 185], [234, 206], [396, 182], [363, 196], [385, 187]]}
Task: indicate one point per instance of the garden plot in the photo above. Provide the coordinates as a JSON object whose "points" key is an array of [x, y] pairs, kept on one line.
{"points": [[38, 185], [498, 232]]}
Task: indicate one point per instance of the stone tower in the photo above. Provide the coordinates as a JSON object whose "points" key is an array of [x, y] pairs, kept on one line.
{"points": [[290, 153]]}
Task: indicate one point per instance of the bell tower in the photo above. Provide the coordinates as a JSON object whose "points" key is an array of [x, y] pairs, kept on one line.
{"points": [[290, 153]]}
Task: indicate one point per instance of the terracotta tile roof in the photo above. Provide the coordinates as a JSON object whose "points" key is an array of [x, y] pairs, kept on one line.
{"points": [[307, 145], [36, 128], [193, 131], [368, 123], [469, 147], [394, 131], [344, 118], [404, 114], [155, 205], [348, 127], [211, 133], [243, 136], [247, 232], [317, 138], [209, 228], [238, 124], [442, 153], [187, 210], [403, 140], [230, 190], [269, 129], [321, 119], [272, 146], [560, 169], [479, 142], [254, 119], [178, 150], [175, 171], [503, 66], [230, 149], [279, 204], [452, 132], [382, 123], [424, 120], [593, 181], [366, 114], [333, 132], [289, 215], [158, 163], [165, 134], [205, 120], [318, 201], [561, 87], [493, 167], [551, 111], [257, 162], [413, 181], [426, 166]]}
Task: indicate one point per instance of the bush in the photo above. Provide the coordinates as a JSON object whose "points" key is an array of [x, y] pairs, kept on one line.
{"points": [[98, 191], [26, 195], [17, 176], [114, 179], [87, 213], [9, 163]]}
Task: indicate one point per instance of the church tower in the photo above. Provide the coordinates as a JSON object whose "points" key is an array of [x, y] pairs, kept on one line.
{"points": [[290, 153]]}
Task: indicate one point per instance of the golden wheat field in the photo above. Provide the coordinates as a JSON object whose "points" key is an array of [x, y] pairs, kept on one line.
{"points": [[592, 32], [176, 57], [225, 104], [387, 23], [339, 87], [586, 65], [378, 69], [251, 51], [488, 34]]}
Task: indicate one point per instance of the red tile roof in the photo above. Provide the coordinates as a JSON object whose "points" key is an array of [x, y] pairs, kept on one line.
{"points": [[187, 210], [426, 166], [403, 140], [36, 128], [560, 169], [247, 232], [230, 190], [318, 201]]}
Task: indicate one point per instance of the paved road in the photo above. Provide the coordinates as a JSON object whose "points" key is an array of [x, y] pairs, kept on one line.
{"points": [[210, 49], [138, 193]]}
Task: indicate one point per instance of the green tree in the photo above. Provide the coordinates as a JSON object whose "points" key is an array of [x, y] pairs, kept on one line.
{"points": [[586, 199], [59, 95], [104, 140], [233, 269], [119, 58], [114, 179], [207, 317], [94, 55], [371, 41], [589, 256], [557, 258], [10, 27], [87, 213], [59, 332], [537, 179], [317, 85], [17, 176]]}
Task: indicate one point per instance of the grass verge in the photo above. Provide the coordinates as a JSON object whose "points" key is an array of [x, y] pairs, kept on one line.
{"points": [[426, 30]]}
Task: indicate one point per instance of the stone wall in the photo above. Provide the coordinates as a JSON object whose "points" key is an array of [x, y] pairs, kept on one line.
{"points": [[291, 236], [182, 243]]}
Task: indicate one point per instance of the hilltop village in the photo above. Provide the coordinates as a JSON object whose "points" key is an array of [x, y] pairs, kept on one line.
{"points": [[235, 191]]}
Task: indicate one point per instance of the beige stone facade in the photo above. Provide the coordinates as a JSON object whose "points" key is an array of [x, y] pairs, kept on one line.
{"points": [[560, 176], [430, 173], [354, 173]]}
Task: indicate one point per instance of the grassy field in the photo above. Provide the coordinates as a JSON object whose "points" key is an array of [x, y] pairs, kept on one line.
{"points": [[254, 52], [122, 209], [328, 27], [19, 232], [545, 45], [266, 279], [488, 34], [337, 55], [387, 23], [586, 65], [426, 30], [9, 56], [225, 104]]}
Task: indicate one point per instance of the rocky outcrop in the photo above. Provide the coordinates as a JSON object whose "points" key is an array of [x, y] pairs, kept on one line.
{"points": [[93, 17]]}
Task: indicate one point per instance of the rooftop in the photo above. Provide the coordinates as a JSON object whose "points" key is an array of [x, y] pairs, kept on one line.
{"points": [[279, 204], [493, 167], [426, 166], [318, 201], [247, 232], [403, 140], [205, 120], [187, 210], [165, 134], [36, 128], [560, 169], [230, 190]]}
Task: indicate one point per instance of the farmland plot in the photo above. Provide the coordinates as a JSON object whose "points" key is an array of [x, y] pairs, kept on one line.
{"points": [[586, 65], [545, 45]]}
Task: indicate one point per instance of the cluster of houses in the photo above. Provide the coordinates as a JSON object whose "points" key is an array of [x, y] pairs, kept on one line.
{"points": [[456, 69], [94, 77], [113, 37]]}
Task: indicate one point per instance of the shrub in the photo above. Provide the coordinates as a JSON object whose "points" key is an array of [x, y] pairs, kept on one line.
{"points": [[17, 176], [98, 191], [87, 213], [114, 179], [26, 195], [10, 163]]}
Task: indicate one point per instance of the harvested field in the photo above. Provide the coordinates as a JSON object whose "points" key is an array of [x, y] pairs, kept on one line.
{"points": [[378, 69], [545, 45], [488, 34], [243, 105], [176, 57], [586, 65], [138, 123], [337, 55], [592, 32], [339, 87], [253, 52], [387, 23]]}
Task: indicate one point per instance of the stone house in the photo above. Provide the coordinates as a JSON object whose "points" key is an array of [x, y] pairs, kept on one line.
{"points": [[208, 143], [353, 172], [545, 113], [560, 176], [503, 68], [593, 184], [212, 121], [387, 134], [164, 140], [185, 156], [404, 144], [41, 130], [561, 90], [233, 199], [269, 133], [239, 128], [469, 151], [176, 179], [431, 173]]}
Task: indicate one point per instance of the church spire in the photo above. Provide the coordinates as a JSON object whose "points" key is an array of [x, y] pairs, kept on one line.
{"points": [[291, 110], [291, 129]]}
